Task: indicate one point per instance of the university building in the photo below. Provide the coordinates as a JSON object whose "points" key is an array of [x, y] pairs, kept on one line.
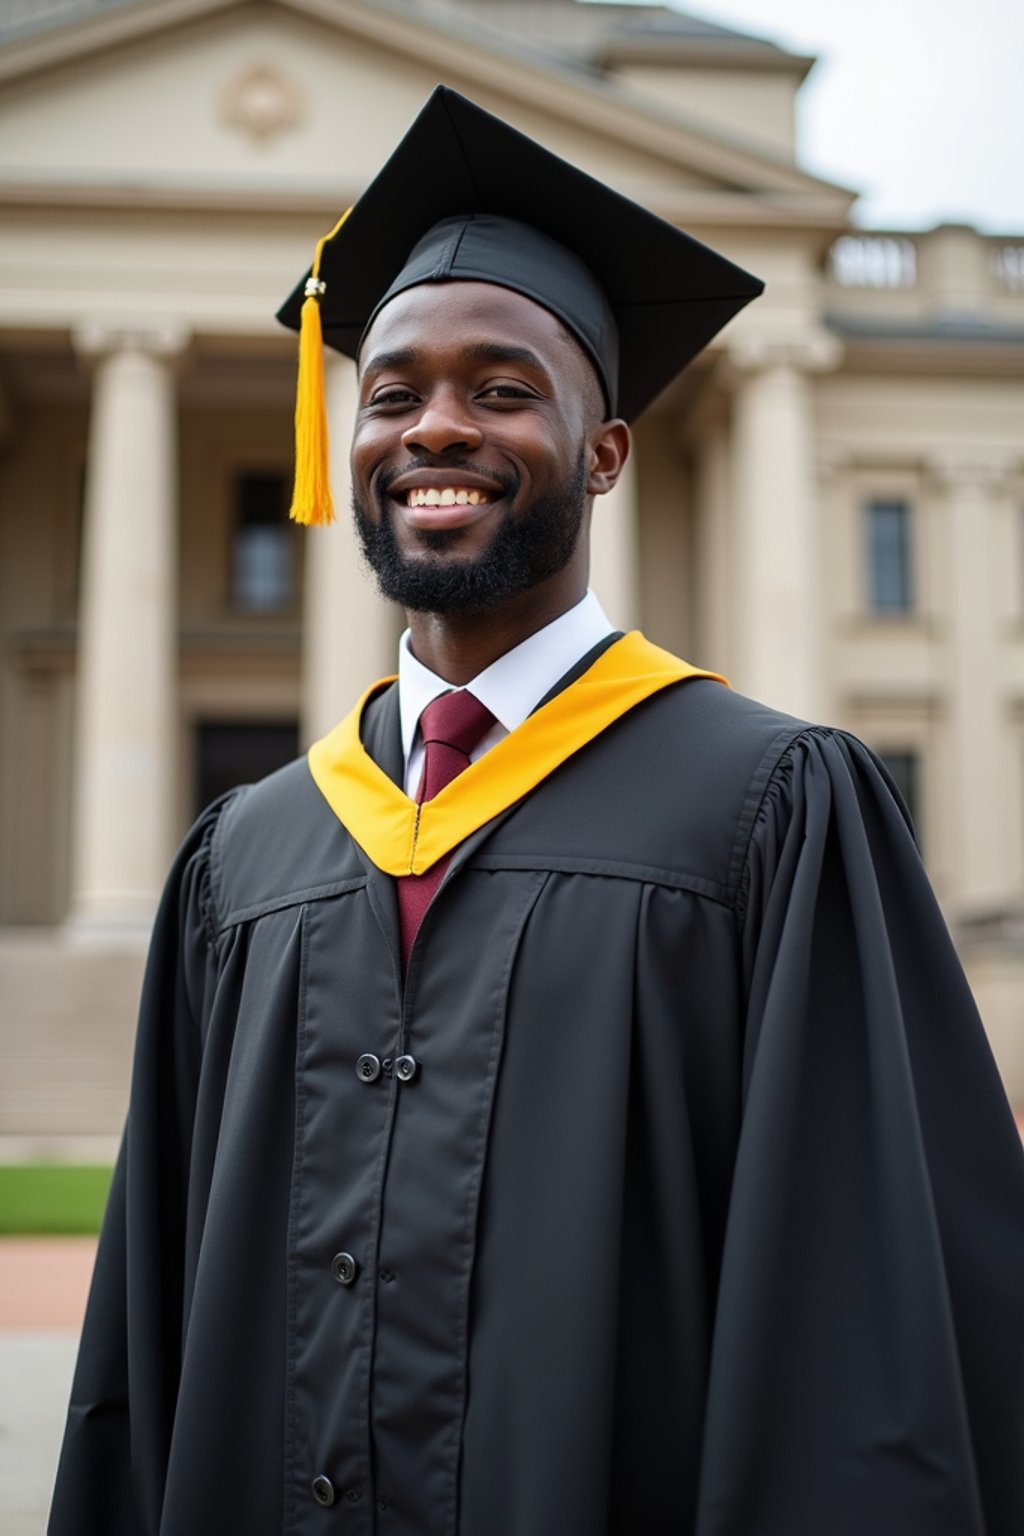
{"points": [[828, 506]]}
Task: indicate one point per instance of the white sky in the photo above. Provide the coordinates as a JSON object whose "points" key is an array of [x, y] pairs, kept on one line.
{"points": [[918, 104]]}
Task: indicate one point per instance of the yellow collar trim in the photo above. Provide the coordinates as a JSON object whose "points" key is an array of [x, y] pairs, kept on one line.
{"points": [[403, 838]]}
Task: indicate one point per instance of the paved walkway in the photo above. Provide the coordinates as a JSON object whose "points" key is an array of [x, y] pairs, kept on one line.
{"points": [[43, 1286]]}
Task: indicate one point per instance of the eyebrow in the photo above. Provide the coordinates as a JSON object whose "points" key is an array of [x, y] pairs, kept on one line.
{"points": [[401, 357], [479, 351], [503, 352]]}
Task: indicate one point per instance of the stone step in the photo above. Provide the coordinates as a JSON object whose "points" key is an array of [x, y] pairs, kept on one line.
{"points": [[67, 1025]]}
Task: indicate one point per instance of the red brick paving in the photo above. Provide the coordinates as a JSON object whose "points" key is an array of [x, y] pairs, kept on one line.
{"points": [[44, 1282]]}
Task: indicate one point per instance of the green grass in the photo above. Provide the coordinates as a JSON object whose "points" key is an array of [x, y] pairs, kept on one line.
{"points": [[52, 1198]]}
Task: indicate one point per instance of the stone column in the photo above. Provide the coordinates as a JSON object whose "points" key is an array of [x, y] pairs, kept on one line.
{"points": [[123, 808], [713, 585], [982, 871], [779, 626], [614, 554], [348, 629]]}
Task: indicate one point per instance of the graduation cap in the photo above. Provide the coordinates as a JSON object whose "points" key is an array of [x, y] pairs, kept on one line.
{"points": [[466, 197]]}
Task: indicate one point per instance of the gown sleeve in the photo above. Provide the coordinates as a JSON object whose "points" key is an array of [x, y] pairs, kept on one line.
{"points": [[867, 1370], [113, 1462]]}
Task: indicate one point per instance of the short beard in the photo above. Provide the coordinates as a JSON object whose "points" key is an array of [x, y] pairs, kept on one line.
{"points": [[525, 550]]}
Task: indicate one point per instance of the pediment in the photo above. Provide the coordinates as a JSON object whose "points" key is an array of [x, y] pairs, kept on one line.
{"points": [[299, 100]]}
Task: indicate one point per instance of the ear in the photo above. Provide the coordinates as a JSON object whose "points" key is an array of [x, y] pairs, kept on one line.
{"points": [[607, 451]]}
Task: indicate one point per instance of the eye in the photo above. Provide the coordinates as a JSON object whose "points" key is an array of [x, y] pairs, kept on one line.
{"points": [[393, 394], [507, 392]]}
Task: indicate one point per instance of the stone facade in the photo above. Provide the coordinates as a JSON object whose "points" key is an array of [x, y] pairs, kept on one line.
{"points": [[828, 506]]}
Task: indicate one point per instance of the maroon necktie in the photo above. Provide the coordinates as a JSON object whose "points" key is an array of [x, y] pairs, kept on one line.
{"points": [[451, 726]]}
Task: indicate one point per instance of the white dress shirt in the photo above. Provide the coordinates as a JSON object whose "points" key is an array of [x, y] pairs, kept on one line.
{"points": [[511, 687]]}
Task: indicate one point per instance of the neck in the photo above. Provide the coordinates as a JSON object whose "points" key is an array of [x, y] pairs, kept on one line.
{"points": [[458, 646]]}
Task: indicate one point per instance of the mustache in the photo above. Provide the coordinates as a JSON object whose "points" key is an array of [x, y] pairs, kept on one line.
{"points": [[507, 479]]}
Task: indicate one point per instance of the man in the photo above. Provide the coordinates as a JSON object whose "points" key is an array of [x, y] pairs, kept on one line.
{"points": [[558, 1109]]}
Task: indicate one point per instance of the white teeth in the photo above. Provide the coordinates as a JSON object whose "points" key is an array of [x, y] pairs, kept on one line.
{"points": [[449, 496]]}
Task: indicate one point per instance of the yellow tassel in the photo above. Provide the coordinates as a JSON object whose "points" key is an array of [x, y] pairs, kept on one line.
{"points": [[311, 499]]}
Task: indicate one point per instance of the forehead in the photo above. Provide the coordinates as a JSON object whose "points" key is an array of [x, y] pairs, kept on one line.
{"points": [[437, 316]]}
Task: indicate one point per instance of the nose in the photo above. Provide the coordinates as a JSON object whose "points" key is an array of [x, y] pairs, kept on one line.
{"points": [[442, 424]]}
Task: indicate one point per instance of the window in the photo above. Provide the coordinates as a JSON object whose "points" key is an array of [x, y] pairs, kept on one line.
{"points": [[889, 573], [1008, 266], [239, 752], [263, 544], [904, 766]]}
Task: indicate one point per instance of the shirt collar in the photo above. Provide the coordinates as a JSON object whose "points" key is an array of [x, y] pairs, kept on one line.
{"points": [[514, 685]]}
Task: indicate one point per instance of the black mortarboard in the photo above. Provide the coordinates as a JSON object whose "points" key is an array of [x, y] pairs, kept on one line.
{"points": [[467, 197]]}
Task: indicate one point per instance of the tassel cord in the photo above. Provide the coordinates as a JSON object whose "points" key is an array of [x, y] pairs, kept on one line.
{"points": [[312, 503]]}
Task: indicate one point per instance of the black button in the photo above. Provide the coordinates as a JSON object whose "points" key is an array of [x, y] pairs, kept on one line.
{"points": [[368, 1068], [354, 1495], [323, 1491], [344, 1268], [406, 1068]]}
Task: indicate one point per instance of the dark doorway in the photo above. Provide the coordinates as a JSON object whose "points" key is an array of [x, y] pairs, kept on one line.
{"points": [[239, 752]]}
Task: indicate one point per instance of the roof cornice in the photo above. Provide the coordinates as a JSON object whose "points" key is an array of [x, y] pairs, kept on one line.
{"points": [[703, 51], [22, 57], [930, 348], [690, 208]]}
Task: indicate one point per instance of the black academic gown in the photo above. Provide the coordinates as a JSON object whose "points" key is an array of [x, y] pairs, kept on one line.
{"points": [[703, 1214]]}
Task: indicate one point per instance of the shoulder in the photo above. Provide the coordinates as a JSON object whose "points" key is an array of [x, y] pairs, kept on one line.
{"points": [[750, 777], [713, 756], [717, 746], [711, 726], [673, 787], [274, 842]]}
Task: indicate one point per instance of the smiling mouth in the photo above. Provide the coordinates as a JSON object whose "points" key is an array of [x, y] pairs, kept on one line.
{"points": [[447, 496]]}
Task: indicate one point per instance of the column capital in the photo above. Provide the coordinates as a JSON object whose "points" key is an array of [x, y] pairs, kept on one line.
{"points": [[807, 352], [979, 470], [161, 339]]}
